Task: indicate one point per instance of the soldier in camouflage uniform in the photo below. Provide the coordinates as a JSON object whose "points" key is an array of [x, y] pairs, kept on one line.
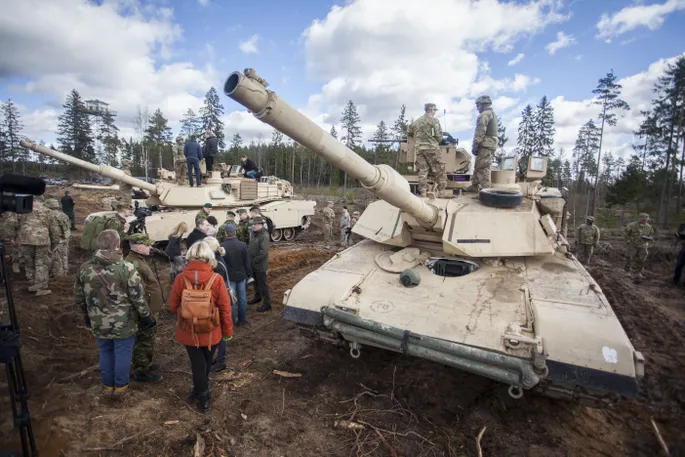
{"points": [[353, 238], [9, 222], [143, 348], [180, 165], [587, 239], [485, 142], [126, 190], [203, 213], [37, 236], [428, 134], [221, 235], [118, 221], [60, 255], [328, 219], [242, 231], [638, 236], [109, 292]]}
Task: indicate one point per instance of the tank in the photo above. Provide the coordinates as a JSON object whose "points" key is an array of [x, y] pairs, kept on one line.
{"points": [[171, 203], [483, 283]]}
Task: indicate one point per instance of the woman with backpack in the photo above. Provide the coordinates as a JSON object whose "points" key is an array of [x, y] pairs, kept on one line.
{"points": [[202, 319], [174, 250]]}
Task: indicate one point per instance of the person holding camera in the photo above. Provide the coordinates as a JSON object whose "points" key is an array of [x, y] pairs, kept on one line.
{"points": [[110, 294]]}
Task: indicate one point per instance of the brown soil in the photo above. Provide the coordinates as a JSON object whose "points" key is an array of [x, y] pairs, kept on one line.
{"points": [[408, 407]]}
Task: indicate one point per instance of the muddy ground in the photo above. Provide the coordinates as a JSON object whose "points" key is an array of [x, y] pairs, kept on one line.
{"points": [[407, 407]]}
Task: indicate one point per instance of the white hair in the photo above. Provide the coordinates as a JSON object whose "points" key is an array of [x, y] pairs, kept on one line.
{"points": [[214, 245], [201, 252]]}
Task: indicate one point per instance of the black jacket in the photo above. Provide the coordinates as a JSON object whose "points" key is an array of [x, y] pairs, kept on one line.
{"points": [[237, 260], [249, 165], [221, 268], [67, 203], [173, 249], [195, 236], [258, 250], [211, 147]]}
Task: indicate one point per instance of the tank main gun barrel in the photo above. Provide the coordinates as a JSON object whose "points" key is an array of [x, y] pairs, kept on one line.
{"points": [[396, 140], [104, 170], [250, 91]]}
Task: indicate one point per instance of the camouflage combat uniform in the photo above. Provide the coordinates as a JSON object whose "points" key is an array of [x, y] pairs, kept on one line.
{"points": [[587, 237], [485, 142], [126, 190], [9, 222], [428, 134], [637, 246], [328, 218], [59, 265], [344, 225], [145, 340], [221, 235], [202, 214], [118, 223], [242, 231], [180, 164], [37, 235]]}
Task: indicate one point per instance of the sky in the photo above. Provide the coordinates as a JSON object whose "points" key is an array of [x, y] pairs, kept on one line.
{"points": [[317, 55]]}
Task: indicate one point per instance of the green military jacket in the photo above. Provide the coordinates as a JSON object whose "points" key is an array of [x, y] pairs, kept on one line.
{"points": [[110, 291], [200, 215], [258, 250], [635, 231], [242, 232], [153, 290], [38, 228], [481, 137], [587, 234], [427, 133], [221, 235], [118, 223]]}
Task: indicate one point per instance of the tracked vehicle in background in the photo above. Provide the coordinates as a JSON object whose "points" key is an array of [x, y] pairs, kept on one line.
{"points": [[171, 204], [482, 283]]}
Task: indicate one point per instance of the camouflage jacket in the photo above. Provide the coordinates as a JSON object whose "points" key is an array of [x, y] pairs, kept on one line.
{"points": [[328, 216], [345, 220], [635, 231], [200, 215], [221, 234], [480, 138], [427, 133], [118, 223], [64, 225], [109, 290], [38, 228], [9, 222], [178, 153], [153, 290], [587, 234], [242, 232]]}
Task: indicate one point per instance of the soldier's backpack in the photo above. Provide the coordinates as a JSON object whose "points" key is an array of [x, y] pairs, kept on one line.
{"points": [[199, 313], [270, 226], [91, 231]]}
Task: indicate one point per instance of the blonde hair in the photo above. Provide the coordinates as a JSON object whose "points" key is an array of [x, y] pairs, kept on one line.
{"points": [[180, 229], [214, 245], [201, 252]]}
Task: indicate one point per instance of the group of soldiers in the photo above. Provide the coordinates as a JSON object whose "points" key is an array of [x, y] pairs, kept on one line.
{"points": [[427, 134], [638, 235], [347, 222], [40, 241]]}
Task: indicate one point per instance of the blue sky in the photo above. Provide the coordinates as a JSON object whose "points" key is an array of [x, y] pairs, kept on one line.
{"points": [[379, 53]]}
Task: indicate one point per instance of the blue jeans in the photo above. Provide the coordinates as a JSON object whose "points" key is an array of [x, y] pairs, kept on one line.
{"points": [[251, 174], [115, 360], [239, 310], [194, 165]]}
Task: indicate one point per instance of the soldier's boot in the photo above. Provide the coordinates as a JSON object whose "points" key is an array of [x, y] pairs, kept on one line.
{"points": [[147, 376], [107, 390], [119, 392], [218, 367], [192, 397], [205, 402], [445, 194], [42, 292], [254, 300], [264, 308]]}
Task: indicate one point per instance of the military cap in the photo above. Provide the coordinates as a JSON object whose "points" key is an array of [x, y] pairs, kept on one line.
{"points": [[590, 218], [241, 211], [257, 220], [230, 228], [179, 138], [428, 106], [330, 203], [255, 208], [140, 238], [230, 212], [52, 203], [643, 216], [207, 205], [483, 100]]}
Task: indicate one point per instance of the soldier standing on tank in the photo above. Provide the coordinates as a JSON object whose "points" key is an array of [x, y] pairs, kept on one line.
{"points": [[638, 236], [328, 219], [37, 236], [587, 239], [210, 149], [68, 207], [110, 294], [230, 220], [59, 265], [344, 227], [243, 229], [428, 134], [180, 165], [485, 141], [143, 348], [203, 213], [126, 190]]}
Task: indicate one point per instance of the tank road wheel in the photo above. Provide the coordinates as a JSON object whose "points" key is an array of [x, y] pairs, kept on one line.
{"points": [[276, 235], [500, 198], [288, 234]]}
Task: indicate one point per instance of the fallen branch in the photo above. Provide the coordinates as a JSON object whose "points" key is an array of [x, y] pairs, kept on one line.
{"points": [[348, 425], [480, 435], [392, 451], [285, 374], [659, 437], [79, 374]]}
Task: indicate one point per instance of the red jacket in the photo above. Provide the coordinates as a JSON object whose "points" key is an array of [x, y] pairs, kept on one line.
{"points": [[221, 299]]}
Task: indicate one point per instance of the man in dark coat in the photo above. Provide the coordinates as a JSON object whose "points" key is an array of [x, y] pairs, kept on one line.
{"points": [[249, 167], [198, 233], [210, 149], [193, 153], [68, 207], [258, 251]]}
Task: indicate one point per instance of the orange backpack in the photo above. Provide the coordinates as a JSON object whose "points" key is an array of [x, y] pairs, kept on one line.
{"points": [[198, 313]]}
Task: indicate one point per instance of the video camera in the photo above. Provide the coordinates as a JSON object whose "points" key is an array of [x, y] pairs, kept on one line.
{"points": [[140, 212], [16, 193]]}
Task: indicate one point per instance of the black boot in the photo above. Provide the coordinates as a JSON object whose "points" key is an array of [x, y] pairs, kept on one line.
{"points": [[205, 402], [147, 376], [192, 397], [254, 300], [264, 308]]}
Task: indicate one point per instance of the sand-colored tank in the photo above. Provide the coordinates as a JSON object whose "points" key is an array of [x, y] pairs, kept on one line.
{"points": [[483, 283], [176, 203]]}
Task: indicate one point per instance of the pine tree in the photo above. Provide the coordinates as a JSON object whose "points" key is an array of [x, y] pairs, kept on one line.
{"points": [[543, 139], [583, 153], [382, 135], [158, 139], [11, 131], [526, 137], [334, 132], [211, 113], [74, 129], [191, 124], [629, 186], [399, 130], [236, 142], [608, 93], [502, 138], [352, 131], [108, 135]]}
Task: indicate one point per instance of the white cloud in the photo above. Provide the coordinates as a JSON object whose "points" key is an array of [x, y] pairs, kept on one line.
{"points": [[203, 2], [635, 16], [562, 41], [516, 59], [249, 46]]}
